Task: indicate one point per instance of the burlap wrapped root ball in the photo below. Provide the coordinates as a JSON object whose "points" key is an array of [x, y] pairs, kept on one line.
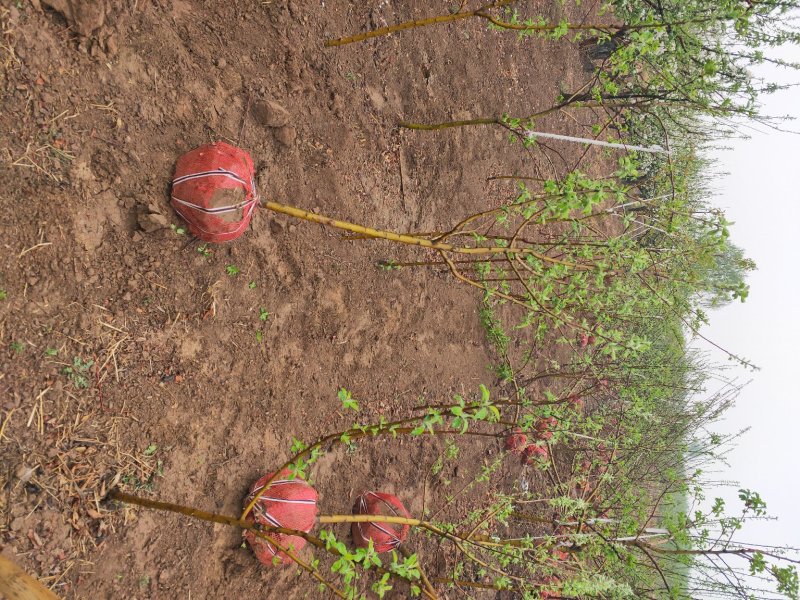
{"points": [[384, 536], [289, 503], [214, 191]]}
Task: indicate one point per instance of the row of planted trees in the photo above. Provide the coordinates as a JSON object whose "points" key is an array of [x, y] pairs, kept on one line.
{"points": [[616, 277], [589, 288]]}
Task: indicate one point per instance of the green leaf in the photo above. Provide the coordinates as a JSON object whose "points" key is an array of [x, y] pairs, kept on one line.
{"points": [[347, 400], [484, 393]]}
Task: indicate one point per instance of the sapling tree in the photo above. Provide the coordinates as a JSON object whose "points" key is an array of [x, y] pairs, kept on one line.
{"points": [[597, 535], [675, 64]]}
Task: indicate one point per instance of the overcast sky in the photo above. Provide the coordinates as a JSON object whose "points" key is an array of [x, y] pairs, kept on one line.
{"points": [[760, 193]]}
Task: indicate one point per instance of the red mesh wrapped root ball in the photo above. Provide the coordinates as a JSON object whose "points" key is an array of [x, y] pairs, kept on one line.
{"points": [[289, 503], [214, 191], [384, 536], [534, 453], [516, 441]]}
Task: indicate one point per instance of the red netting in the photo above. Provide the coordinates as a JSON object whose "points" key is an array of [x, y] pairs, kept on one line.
{"points": [[215, 192], [384, 536], [289, 503], [534, 453], [516, 441]]}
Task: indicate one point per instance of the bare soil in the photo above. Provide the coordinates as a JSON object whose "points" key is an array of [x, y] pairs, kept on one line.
{"points": [[182, 400]]}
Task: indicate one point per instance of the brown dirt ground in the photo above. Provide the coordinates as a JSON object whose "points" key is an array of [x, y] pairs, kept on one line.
{"points": [[91, 127]]}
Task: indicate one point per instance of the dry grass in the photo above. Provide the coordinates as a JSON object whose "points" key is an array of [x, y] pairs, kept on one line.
{"points": [[62, 452]]}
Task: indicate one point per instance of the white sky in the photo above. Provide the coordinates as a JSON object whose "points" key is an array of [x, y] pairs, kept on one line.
{"points": [[761, 194]]}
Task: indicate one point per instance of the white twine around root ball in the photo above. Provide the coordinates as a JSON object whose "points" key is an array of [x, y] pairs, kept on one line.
{"points": [[530, 134]]}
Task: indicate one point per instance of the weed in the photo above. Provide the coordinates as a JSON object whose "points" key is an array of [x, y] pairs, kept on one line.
{"points": [[3, 294], [252, 285], [178, 229], [348, 402], [148, 483], [78, 372], [388, 265], [17, 347], [203, 249], [451, 450], [51, 352], [259, 336], [232, 270], [263, 314]]}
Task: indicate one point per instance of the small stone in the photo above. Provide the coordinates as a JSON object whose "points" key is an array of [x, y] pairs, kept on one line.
{"points": [[222, 63], [292, 228], [336, 104], [263, 179], [112, 45], [271, 114], [84, 17], [286, 136], [24, 473], [151, 222]]}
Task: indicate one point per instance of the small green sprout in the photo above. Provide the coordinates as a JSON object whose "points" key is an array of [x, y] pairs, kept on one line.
{"points": [[77, 373], [347, 400], [388, 265]]}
